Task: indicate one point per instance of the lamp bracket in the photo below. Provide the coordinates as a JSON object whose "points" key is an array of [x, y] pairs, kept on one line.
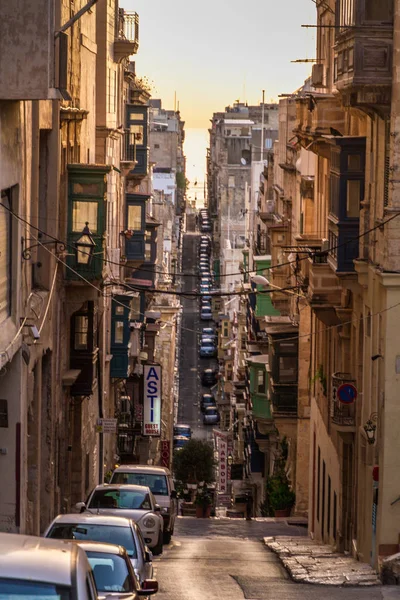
{"points": [[27, 248]]}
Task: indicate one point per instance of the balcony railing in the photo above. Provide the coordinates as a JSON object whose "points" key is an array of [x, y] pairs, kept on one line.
{"points": [[127, 37], [343, 415]]}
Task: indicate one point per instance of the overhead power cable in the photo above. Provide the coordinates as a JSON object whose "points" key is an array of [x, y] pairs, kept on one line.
{"points": [[307, 253]]}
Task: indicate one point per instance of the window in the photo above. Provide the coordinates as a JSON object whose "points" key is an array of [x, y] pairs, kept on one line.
{"points": [[287, 369], [135, 217], [156, 146], [3, 413], [353, 198], [119, 310], [110, 572], [138, 132], [82, 213], [119, 332], [226, 330], [135, 309], [81, 332], [268, 143], [147, 252], [261, 381]]}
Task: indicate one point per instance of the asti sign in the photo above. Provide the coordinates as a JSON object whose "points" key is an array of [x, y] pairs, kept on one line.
{"points": [[152, 400]]}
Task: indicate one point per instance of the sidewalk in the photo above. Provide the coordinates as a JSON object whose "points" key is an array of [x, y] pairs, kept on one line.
{"points": [[309, 562]]}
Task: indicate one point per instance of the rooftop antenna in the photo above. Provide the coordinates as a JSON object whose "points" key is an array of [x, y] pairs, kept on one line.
{"points": [[175, 101]]}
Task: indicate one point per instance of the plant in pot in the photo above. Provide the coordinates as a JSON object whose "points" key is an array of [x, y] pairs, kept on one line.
{"points": [[279, 495], [203, 504]]}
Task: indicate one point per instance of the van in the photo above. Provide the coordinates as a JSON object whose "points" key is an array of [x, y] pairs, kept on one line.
{"points": [[160, 482]]}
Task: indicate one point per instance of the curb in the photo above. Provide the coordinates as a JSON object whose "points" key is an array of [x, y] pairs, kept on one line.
{"points": [[320, 564]]}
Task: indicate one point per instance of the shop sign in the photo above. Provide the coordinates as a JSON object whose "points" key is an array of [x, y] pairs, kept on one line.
{"points": [[152, 400], [223, 466], [165, 453]]}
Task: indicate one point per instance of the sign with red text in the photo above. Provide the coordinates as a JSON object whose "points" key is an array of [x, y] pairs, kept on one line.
{"points": [[223, 466], [165, 453], [152, 400]]}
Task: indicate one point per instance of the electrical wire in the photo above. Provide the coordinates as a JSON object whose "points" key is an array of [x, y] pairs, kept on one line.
{"points": [[243, 272]]}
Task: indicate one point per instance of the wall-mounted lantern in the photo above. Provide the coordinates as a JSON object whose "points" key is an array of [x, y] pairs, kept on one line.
{"points": [[370, 428], [85, 246]]}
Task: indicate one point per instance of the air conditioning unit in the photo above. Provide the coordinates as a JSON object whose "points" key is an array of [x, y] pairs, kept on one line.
{"points": [[125, 404], [318, 75]]}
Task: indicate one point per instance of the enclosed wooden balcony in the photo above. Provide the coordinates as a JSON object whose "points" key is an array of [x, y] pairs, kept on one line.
{"points": [[363, 55], [317, 115]]}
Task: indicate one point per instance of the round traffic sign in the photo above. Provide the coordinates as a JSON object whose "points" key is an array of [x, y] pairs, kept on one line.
{"points": [[346, 393]]}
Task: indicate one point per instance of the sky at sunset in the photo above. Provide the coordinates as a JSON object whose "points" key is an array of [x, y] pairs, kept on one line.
{"points": [[213, 52]]}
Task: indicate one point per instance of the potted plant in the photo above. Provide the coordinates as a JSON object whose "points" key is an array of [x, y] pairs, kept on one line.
{"points": [[203, 504], [279, 495]]}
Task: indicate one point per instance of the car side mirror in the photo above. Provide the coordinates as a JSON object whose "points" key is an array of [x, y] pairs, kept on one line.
{"points": [[148, 587], [157, 508], [173, 494], [148, 555], [80, 507]]}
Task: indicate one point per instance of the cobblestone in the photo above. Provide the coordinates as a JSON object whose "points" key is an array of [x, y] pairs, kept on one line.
{"points": [[309, 562]]}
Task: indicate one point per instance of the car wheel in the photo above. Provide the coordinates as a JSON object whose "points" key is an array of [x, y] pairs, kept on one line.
{"points": [[167, 537], [159, 547]]}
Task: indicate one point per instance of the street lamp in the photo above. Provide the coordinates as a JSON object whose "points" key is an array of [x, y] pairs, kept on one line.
{"points": [[259, 280], [370, 428], [85, 246]]}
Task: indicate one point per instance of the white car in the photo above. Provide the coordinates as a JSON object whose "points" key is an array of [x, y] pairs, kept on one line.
{"points": [[106, 528], [32, 567], [113, 573], [135, 502]]}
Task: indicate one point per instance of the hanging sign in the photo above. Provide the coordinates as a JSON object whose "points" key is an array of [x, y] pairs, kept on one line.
{"points": [[152, 400]]}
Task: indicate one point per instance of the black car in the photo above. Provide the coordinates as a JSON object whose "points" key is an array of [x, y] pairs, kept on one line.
{"points": [[208, 377]]}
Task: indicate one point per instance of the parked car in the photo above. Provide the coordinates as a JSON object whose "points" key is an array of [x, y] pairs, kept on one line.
{"points": [[206, 314], [211, 416], [35, 568], [179, 442], [160, 482], [209, 377], [207, 348], [183, 430], [114, 574], [106, 528], [205, 289], [206, 280], [207, 401], [135, 502], [209, 332]]}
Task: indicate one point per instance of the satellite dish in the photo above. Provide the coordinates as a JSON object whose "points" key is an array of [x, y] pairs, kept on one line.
{"points": [[243, 161]]}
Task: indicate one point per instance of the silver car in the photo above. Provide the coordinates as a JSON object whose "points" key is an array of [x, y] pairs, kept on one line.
{"points": [[31, 567], [114, 574], [135, 502], [106, 528]]}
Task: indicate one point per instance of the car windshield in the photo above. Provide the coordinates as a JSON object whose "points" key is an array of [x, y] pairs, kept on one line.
{"points": [[110, 572], [123, 499], [207, 344], [21, 589], [91, 532], [156, 482]]}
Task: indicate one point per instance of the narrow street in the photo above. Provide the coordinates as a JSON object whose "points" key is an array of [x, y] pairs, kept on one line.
{"points": [[190, 364], [226, 559]]}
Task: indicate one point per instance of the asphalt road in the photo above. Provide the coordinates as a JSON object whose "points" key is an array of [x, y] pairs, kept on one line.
{"points": [[190, 364], [226, 559]]}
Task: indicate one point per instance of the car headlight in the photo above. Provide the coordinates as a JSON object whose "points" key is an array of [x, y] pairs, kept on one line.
{"points": [[149, 522]]}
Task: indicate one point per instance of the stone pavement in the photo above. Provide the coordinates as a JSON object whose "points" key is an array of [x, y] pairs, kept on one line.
{"points": [[309, 562]]}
